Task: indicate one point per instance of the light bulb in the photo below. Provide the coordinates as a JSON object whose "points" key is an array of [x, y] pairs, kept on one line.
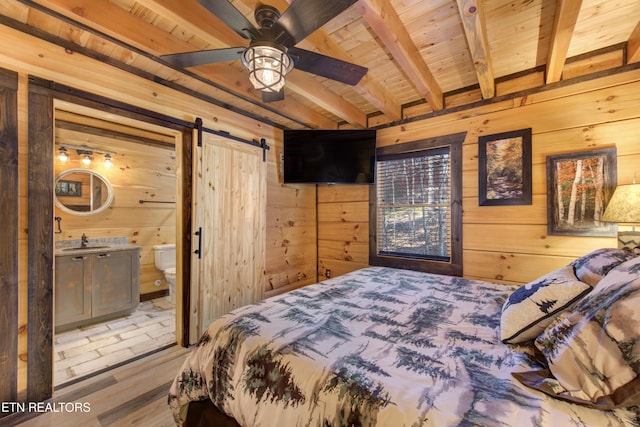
{"points": [[62, 154], [267, 77], [86, 159], [107, 160]]}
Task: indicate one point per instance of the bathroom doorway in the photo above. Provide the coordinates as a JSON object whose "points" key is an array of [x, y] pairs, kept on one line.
{"points": [[136, 163]]}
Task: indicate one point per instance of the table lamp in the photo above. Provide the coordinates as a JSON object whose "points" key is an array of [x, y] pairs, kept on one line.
{"points": [[624, 207]]}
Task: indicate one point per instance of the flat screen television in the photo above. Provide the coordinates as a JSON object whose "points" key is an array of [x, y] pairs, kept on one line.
{"points": [[329, 156]]}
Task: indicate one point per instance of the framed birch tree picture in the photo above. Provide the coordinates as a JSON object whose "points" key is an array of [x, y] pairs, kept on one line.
{"points": [[579, 186]]}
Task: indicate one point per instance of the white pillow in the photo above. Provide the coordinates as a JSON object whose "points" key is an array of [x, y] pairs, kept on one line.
{"points": [[532, 307]]}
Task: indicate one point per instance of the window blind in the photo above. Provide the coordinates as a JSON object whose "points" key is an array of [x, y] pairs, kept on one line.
{"points": [[414, 204]]}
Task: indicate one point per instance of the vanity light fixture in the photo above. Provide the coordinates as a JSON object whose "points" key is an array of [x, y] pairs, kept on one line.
{"points": [[63, 156], [86, 157], [86, 153]]}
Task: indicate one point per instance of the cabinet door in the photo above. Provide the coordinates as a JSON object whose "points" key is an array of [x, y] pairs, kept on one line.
{"points": [[116, 282], [72, 289]]}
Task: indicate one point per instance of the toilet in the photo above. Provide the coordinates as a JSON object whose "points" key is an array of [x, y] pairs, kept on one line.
{"points": [[165, 257]]}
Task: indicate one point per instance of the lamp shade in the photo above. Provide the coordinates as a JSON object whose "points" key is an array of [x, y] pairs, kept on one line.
{"points": [[624, 206]]}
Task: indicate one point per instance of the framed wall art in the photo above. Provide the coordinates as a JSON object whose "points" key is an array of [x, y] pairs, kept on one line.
{"points": [[68, 188], [579, 186], [504, 168]]}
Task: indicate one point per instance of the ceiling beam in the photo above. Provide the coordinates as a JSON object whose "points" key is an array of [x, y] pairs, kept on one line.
{"points": [[300, 82], [472, 15], [633, 45], [385, 22], [567, 12], [379, 97]]}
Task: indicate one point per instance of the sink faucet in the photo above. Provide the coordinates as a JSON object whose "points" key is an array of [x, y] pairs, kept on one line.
{"points": [[85, 241]]}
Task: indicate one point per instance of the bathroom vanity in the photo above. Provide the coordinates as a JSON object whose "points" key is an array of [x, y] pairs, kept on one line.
{"points": [[95, 283]]}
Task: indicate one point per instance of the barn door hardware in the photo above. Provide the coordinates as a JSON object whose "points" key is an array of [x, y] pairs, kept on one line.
{"points": [[198, 125], [265, 147], [199, 250]]}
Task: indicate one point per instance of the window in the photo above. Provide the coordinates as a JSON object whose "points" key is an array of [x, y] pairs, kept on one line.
{"points": [[416, 206]]}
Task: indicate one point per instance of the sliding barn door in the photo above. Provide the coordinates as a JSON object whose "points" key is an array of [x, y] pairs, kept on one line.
{"points": [[229, 229]]}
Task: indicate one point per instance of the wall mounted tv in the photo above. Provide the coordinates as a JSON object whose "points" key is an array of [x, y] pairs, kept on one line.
{"points": [[329, 156]]}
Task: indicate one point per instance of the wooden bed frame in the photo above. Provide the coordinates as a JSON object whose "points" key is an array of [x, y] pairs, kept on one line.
{"points": [[204, 413]]}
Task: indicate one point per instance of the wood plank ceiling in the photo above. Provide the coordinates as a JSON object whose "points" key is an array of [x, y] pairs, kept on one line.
{"points": [[417, 51]]}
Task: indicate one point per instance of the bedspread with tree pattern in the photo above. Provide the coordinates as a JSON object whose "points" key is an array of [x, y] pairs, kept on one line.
{"points": [[375, 347]]}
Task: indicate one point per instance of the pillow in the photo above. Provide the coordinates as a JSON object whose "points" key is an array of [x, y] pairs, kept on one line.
{"points": [[594, 266], [593, 351], [532, 307]]}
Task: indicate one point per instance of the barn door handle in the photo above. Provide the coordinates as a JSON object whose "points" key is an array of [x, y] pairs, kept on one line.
{"points": [[199, 250]]}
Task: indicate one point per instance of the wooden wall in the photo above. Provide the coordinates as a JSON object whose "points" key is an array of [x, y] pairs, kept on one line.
{"points": [[343, 229], [139, 172], [505, 243], [291, 229]]}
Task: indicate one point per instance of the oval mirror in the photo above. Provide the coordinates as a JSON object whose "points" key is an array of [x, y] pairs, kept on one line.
{"points": [[82, 192]]}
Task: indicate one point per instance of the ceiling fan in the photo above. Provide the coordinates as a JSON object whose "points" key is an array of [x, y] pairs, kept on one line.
{"points": [[271, 53]]}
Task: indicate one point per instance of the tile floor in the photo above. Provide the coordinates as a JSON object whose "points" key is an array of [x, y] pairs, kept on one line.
{"points": [[88, 349]]}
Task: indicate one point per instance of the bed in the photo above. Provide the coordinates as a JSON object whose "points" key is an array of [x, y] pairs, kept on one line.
{"points": [[390, 347]]}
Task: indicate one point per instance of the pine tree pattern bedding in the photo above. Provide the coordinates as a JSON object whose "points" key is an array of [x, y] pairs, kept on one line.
{"points": [[375, 347]]}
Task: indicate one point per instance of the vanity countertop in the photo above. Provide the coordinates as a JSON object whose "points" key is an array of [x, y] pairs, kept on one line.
{"points": [[91, 249]]}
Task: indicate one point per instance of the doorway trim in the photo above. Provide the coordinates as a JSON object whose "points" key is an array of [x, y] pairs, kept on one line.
{"points": [[9, 269], [41, 96]]}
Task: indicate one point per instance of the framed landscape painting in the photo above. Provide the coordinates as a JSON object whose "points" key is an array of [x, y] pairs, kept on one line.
{"points": [[579, 186], [504, 168]]}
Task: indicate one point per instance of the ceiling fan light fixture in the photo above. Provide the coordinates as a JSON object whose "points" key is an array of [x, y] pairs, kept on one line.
{"points": [[267, 67]]}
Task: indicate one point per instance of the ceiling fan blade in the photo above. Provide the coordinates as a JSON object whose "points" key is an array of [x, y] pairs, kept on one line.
{"points": [[303, 17], [229, 15], [272, 96], [202, 57], [325, 66]]}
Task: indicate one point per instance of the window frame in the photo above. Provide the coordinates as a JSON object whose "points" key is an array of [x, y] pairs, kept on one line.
{"points": [[453, 267]]}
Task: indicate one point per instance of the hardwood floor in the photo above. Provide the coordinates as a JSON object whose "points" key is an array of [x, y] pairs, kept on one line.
{"points": [[131, 395]]}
